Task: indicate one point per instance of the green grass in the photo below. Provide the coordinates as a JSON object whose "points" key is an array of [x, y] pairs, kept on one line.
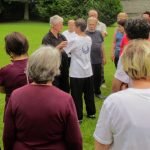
{"points": [[34, 31]]}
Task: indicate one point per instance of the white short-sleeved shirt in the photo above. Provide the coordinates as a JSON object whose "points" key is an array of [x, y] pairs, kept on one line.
{"points": [[101, 27], [69, 35], [80, 49], [121, 75], [124, 120]]}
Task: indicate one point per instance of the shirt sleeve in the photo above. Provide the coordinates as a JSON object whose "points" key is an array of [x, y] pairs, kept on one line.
{"points": [[2, 76], [103, 132], [70, 46], [9, 128], [72, 134], [120, 73]]}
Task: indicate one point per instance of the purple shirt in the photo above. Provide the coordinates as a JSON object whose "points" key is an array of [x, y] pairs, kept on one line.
{"points": [[41, 117], [13, 76]]}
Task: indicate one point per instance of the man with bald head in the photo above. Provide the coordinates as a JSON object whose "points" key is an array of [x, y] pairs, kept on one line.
{"points": [[70, 33], [97, 54], [100, 25], [102, 28]]}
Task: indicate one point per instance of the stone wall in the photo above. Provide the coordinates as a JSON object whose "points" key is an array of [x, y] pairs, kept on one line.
{"points": [[135, 7]]}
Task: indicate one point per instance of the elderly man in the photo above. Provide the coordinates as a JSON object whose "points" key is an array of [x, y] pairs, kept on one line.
{"points": [[100, 25], [97, 53], [146, 15], [70, 33], [102, 28], [54, 38]]}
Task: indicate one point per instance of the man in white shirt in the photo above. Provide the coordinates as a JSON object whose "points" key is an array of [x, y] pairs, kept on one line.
{"points": [[70, 33], [100, 25]]}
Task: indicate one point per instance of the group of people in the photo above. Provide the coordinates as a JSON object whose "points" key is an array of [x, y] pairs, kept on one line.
{"points": [[41, 114]]}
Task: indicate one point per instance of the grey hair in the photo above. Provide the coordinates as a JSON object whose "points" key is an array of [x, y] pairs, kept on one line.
{"points": [[43, 65], [55, 19]]}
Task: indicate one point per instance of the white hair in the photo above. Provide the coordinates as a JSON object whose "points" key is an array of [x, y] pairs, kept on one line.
{"points": [[43, 64], [55, 19]]}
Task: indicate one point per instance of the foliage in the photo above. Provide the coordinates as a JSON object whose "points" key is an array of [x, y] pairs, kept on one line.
{"points": [[78, 9], [109, 10]]}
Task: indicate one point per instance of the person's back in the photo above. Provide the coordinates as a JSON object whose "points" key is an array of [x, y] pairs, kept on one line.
{"points": [[80, 57], [39, 115], [129, 123], [12, 76], [43, 123]]}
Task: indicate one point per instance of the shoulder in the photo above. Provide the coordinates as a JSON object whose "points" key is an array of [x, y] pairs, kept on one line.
{"points": [[6, 68], [101, 24], [115, 100]]}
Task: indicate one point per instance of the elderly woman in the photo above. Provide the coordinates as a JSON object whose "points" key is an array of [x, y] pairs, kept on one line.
{"points": [[13, 76], [34, 118], [123, 123]]}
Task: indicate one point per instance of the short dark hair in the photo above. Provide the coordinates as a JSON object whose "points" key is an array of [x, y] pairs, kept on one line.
{"points": [[137, 28], [16, 43], [147, 13], [122, 22], [81, 23]]}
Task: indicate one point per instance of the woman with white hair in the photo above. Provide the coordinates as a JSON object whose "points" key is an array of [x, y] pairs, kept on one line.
{"points": [[124, 123], [39, 115]]}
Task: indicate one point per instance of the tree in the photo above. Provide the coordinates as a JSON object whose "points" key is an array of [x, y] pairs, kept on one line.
{"points": [[26, 8], [108, 9]]}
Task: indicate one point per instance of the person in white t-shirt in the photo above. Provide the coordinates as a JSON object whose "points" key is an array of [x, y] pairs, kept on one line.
{"points": [[123, 123], [70, 33], [81, 75]]}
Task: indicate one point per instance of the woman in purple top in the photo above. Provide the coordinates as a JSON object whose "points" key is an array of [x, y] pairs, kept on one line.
{"points": [[39, 116], [13, 76]]}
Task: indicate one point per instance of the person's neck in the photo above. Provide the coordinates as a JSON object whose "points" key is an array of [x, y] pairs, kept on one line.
{"points": [[49, 83], [55, 33], [81, 33], [21, 57], [141, 84]]}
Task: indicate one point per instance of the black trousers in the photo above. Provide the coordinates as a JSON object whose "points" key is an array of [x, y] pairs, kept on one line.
{"points": [[97, 71], [62, 81], [116, 61], [80, 86]]}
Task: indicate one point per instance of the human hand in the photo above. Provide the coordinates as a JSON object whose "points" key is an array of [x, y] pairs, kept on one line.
{"points": [[62, 45]]}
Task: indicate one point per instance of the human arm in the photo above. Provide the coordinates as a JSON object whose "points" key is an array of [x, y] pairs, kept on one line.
{"points": [[121, 79], [99, 146], [2, 89], [103, 54], [103, 134], [113, 47], [72, 134], [9, 128]]}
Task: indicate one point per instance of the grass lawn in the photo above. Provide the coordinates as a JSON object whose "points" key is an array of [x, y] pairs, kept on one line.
{"points": [[34, 31]]}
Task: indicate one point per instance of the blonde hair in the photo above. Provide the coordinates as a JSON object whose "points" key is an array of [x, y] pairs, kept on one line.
{"points": [[136, 59], [92, 19], [43, 65], [122, 16]]}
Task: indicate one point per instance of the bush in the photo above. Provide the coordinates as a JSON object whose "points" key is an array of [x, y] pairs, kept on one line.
{"points": [[109, 10], [71, 9]]}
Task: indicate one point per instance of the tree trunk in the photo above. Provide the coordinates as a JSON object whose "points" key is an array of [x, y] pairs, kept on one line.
{"points": [[26, 11]]}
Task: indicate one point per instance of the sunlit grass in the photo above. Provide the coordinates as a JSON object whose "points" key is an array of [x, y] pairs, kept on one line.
{"points": [[35, 31]]}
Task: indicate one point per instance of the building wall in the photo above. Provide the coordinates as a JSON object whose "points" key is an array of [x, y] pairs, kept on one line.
{"points": [[135, 7]]}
